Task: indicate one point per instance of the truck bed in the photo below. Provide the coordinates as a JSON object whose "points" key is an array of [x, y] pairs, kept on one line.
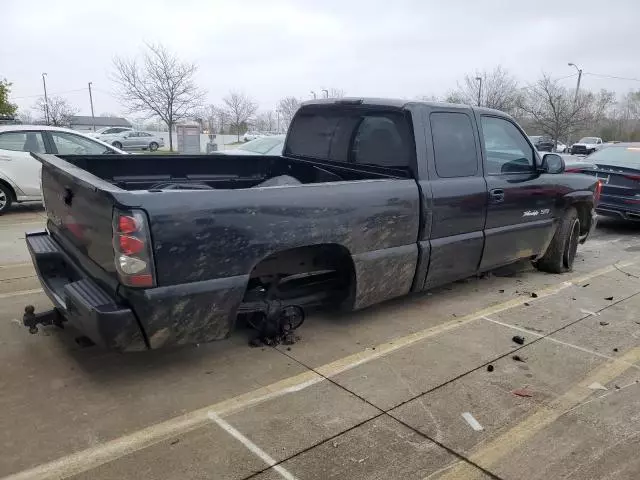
{"points": [[217, 171]]}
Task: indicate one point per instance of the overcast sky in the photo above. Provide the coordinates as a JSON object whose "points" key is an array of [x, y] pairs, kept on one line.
{"points": [[270, 49]]}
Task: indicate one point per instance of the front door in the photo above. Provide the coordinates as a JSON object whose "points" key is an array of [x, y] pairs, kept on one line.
{"points": [[520, 207], [16, 162]]}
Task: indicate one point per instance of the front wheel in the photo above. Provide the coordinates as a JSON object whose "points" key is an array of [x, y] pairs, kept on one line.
{"points": [[117, 145], [153, 146], [6, 198], [562, 250]]}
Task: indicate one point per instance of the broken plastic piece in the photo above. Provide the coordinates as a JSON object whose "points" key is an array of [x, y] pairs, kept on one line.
{"points": [[518, 339], [523, 392], [608, 298]]}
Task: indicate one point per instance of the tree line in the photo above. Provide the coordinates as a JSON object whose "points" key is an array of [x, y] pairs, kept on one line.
{"points": [[158, 85], [547, 107]]}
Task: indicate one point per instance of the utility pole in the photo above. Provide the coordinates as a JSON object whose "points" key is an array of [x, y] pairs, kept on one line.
{"points": [[326, 92], [93, 117], [575, 97], [479, 79], [46, 100]]}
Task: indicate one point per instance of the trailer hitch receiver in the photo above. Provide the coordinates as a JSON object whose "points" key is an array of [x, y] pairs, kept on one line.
{"points": [[31, 320]]}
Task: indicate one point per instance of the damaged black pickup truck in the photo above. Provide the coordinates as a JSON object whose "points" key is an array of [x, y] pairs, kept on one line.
{"points": [[370, 200]]}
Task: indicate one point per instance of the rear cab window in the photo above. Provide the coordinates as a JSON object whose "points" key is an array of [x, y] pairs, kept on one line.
{"points": [[454, 145], [367, 136]]}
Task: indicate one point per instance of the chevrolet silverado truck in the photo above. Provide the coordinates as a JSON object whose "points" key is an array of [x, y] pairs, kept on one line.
{"points": [[370, 200]]}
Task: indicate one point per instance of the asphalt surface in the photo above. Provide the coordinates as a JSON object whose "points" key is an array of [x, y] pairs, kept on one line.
{"points": [[427, 386]]}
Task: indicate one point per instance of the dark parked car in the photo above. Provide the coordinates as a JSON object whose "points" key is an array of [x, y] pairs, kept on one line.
{"points": [[543, 143], [370, 200], [617, 167]]}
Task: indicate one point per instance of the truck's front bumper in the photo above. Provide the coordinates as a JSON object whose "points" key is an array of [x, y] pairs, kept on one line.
{"points": [[85, 305]]}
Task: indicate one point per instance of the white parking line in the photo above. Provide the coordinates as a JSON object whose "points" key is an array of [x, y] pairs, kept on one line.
{"points": [[560, 342], [264, 456], [20, 293]]}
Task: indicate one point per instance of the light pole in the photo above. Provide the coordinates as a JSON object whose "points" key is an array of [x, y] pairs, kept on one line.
{"points": [[326, 92], [314, 94], [93, 117], [46, 100], [575, 97], [479, 79]]}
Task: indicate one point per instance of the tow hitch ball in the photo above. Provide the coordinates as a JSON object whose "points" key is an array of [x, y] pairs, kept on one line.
{"points": [[31, 320]]}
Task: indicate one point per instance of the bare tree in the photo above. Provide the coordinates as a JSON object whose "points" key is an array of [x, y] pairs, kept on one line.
{"points": [[25, 117], [336, 93], [496, 89], [159, 86], [239, 109], [557, 112], [60, 112], [266, 121], [287, 108]]}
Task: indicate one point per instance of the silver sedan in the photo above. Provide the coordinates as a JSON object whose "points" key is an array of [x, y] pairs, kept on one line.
{"points": [[134, 140]]}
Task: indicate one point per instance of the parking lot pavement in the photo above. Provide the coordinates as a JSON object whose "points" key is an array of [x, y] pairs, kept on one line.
{"points": [[427, 386]]}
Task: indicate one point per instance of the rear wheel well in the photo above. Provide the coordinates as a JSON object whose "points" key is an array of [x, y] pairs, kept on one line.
{"points": [[10, 189], [305, 273], [584, 215]]}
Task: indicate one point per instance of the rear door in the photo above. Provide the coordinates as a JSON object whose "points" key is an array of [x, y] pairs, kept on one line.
{"points": [[459, 196], [521, 202], [16, 162]]}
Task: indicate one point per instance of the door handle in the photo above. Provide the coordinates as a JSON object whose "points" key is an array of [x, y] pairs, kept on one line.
{"points": [[496, 195]]}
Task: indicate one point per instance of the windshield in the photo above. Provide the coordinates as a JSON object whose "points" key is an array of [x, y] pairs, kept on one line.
{"points": [[588, 140], [627, 157], [263, 145]]}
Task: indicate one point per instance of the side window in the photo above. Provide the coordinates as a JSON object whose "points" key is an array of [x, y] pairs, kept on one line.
{"points": [[507, 149], [22, 142], [70, 144], [379, 141], [453, 145]]}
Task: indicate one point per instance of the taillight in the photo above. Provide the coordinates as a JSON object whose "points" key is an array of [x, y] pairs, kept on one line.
{"points": [[573, 170], [132, 249], [596, 193], [633, 177]]}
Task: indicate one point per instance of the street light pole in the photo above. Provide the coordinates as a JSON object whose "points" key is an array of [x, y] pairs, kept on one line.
{"points": [[575, 97], [479, 79], [46, 99], [93, 117]]}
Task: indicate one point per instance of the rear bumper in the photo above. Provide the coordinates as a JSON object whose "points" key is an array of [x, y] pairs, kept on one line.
{"points": [[616, 211], [85, 305]]}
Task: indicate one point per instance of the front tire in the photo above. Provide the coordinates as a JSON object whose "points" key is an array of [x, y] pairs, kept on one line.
{"points": [[153, 146], [6, 198], [561, 252], [118, 145]]}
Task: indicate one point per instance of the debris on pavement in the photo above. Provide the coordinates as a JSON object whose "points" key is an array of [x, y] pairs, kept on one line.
{"points": [[473, 423], [526, 304], [501, 290], [615, 349], [597, 386], [586, 285], [608, 298], [518, 339], [603, 323], [518, 358], [175, 441], [534, 295], [523, 392], [489, 368], [589, 312]]}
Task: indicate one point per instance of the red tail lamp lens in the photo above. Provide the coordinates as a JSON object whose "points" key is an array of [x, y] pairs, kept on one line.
{"points": [[127, 224], [597, 191], [130, 245], [145, 280]]}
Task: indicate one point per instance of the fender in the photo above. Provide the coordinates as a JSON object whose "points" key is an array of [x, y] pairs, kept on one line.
{"points": [[8, 180], [579, 196]]}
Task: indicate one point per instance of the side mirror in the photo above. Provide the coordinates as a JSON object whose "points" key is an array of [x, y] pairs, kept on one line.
{"points": [[552, 163]]}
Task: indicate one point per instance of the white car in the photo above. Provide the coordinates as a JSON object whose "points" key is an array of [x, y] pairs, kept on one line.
{"points": [[560, 147], [108, 131], [20, 172], [586, 145]]}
